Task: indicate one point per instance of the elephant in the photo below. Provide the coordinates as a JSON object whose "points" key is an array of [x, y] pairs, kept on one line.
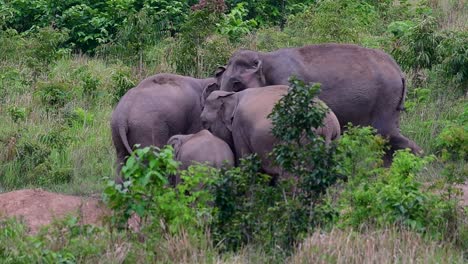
{"points": [[240, 119], [362, 86], [202, 147], [159, 107]]}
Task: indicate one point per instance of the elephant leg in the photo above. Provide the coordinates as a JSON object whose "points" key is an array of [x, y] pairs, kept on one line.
{"points": [[391, 131]]}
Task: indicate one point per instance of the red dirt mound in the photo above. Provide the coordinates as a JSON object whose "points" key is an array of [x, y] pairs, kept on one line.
{"points": [[38, 207]]}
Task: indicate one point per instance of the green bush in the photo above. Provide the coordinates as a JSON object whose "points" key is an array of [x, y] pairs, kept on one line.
{"points": [[416, 49], [234, 26], [386, 197], [64, 242], [17, 113], [44, 46], [145, 192], [453, 53], [278, 212], [452, 142], [122, 81], [90, 85], [301, 152], [53, 95], [340, 21], [186, 56], [79, 117], [359, 153]]}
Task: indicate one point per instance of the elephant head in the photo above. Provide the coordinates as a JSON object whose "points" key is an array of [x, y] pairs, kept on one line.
{"points": [[218, 113], [244, 70], [176, 142], [209, 85]]}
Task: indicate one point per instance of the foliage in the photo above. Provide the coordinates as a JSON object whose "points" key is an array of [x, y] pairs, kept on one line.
{"points": [[194, 33], [90, 23], [90, 85], [122, 82], [417, 49], [453, 54], [17, 113], [145, 192], [277, 211], [53, 95], [66, 241], [359, 153], [333, 21], [79, 117], [250, 210], [234, 25], [301, 152], [394, 196]]}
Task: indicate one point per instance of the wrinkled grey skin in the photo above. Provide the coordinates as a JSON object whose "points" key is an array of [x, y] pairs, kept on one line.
{"points": [[241, 120], [160, 106], [202, 147], [362, 86]]}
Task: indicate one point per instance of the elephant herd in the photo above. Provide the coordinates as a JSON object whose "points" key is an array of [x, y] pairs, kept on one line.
{"points": [[224, 118]]}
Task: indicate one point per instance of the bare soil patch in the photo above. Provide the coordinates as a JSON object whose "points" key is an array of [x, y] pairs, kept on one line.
{"points": [[38, 208]]}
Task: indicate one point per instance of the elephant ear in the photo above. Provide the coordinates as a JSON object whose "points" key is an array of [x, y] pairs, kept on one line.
{"points": [[176, 143], [228, 109], [259, 71], [219, 72], [211, 87]]}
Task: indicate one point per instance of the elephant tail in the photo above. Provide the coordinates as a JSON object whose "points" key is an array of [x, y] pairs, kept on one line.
{"points": [[123, 138], [401, 104]]}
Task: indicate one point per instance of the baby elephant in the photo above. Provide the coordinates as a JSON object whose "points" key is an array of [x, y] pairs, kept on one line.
{"points": [[202, 147]]}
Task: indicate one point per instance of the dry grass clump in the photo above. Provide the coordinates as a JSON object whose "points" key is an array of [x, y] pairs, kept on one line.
{"points": [[383, 246]]}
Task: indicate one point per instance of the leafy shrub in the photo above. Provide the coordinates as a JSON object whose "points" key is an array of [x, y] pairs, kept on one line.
{"points": [[301, 152], [399, 28], [417, 96], [79, 117], [90, 85], [53, 95], [417, 49], [453, 140], [276, 213], [43, 46], [394, 196], [141, 30], [13, 82], [145, 192], [333, 21], [122, 82], [56, 138], [186, 56], [453, 53], [359, 153], [66, 241], [17, 113], [234, 25]]}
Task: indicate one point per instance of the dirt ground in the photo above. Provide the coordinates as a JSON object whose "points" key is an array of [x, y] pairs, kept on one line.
{"points": [[38, 208]]}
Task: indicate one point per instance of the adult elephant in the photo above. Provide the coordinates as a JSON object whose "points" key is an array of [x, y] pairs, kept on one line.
{"points": [[362, 86], [159, 107], [240, 119]]}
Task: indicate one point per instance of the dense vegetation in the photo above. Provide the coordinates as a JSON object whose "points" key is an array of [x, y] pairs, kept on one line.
{"points": [[64, 65]]}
